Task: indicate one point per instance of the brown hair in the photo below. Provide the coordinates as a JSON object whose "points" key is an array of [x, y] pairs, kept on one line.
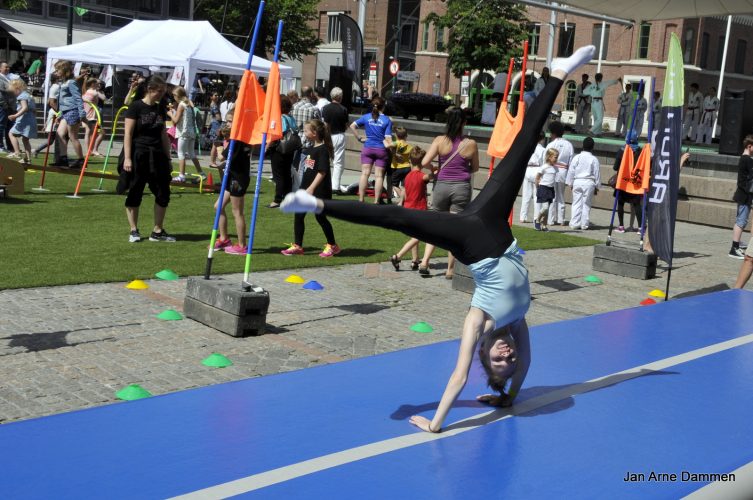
{"points": [[91, 82], [285, 104], [496, 382], [401, 132], [377, 105], [416, 155], [322, 134], [748, 141], [66, 68]]}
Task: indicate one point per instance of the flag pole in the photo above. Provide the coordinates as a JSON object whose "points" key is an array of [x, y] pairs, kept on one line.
{"points": [[627, 142], [262, 150], [231, 150], [508, 83], [666, 289], [650, 131]]}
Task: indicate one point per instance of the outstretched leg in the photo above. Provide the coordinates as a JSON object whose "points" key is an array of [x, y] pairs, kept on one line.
{"points": [[481, 230]]}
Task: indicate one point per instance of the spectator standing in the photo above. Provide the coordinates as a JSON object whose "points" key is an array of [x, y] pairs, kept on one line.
{"points": [[529, 182], [656, 110], [321, 96], [743, 197], [35, 68], [708, 117], [239, 177], [692, 114], [584, 178], [335, 115], [640, 114], [93, 95], [623, 102], [184, 118], [5, 106], [25, 125], [401, 163], [597, 91], [565, 149], [303, 111], [375, 153], [583, 105], [545, 180], [228, 102], [633, 199], [458, 160], [146, 158], [415, 199], [541, 82], [72, 110], [52, 116]]}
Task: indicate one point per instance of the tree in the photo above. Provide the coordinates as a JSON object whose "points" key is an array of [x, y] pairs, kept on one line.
{"points": [[483, 34], [298, 37], [15, 5]]}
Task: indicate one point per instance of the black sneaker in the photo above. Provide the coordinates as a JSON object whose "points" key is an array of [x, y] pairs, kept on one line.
{"points": [[736, 253], [161, 236], [135, 237]]}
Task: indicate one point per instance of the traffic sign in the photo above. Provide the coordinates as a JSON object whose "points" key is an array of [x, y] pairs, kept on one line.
{"points": [[394, 67], [408, 76]]}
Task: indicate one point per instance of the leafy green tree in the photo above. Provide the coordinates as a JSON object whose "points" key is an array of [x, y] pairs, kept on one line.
{"points": [[14, 4], [298, 36], [483, 34]]}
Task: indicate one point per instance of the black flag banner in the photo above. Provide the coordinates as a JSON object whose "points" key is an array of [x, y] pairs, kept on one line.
{"points": [[665, 167], [352, 41]]}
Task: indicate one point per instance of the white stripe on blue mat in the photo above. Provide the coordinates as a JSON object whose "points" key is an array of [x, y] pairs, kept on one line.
{"points": [[739, 489], [288, 472]]}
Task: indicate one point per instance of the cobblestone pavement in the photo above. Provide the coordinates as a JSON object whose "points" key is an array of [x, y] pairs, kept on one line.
{"points": [[71, 347]]}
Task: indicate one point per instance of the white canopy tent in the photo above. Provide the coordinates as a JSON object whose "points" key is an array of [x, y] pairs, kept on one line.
{"points": [[655, 10], [194, 45]]}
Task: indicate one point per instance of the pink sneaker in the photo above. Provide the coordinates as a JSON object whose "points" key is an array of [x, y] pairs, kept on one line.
{"points": [[329, 251], [293, 250], [219, 244], [236, 249]]}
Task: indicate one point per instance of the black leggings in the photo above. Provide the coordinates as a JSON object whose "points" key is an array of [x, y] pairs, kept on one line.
{"points": [[299, 226], [281, 173], [481, 230]]}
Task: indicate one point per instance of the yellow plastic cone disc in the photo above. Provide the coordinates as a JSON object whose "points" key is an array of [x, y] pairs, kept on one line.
{"points": [[657, 293], [137, 285], [294, 278]]}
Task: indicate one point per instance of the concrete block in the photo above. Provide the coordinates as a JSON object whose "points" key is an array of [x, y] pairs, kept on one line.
{"points": [[628, 262], [462, 279], [235, 326], [228, 296]]}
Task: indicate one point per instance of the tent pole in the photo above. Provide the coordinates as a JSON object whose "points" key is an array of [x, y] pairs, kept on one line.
{"points": [[721, 73]]}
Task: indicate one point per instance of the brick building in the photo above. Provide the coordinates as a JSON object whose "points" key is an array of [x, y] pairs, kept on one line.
{"points": [[632, 53]]}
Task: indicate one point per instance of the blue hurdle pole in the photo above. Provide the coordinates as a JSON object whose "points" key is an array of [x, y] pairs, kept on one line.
{"points": [[231, 150], [252, 229]]}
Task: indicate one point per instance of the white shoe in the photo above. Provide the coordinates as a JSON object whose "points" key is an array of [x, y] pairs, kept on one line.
{"points": [[298, 202]]}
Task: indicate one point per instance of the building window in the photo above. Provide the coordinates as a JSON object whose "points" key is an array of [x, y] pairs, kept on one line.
{"points": [[566, 40], [409, 36], [720, 53], [57, 10], [705, 40], [596, 39], [689, 41], [120, 19], [35, 7], [534, 34], [151, 7], [425, 39], [570, 91], [643, 38], [94, 18], [740, 56], [333, 27], [440, 39], [180, 9]]}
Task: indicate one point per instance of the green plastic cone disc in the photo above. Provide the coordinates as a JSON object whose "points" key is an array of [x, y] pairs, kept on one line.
{"points": [[132, 392], [422, 327], [167, 275], [593, 279], [170, 315], [217, 360]]}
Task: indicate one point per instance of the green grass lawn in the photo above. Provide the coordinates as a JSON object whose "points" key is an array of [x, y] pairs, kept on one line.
{"points": [[48, 239]]}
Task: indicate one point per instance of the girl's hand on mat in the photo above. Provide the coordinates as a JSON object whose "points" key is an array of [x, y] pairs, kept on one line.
{"points": [[501, 401], [127, 165], [422, 423]]}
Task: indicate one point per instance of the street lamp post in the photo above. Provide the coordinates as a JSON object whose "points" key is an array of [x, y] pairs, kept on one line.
{"points": [[397, 40]]}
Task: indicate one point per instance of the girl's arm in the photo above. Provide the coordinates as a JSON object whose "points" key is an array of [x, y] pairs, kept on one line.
{"points": [[538, 179], [315, 183], [176, 114], [20, 112], [523, 345], [101, 96], [165, 143], [455, 384], [474, 157], [354, 128], [431, 153], [130, 125]]}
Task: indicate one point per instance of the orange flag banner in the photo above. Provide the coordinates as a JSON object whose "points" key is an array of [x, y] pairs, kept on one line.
{"points": [[634, 178], [506, 128], [248, 108], [271, 121]]}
